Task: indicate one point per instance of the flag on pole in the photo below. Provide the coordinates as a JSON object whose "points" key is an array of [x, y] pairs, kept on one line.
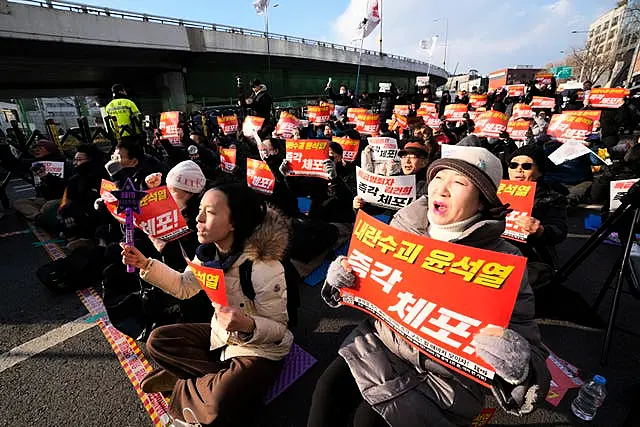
{"points": [[434, 42], [371, 20], [261, 6]]}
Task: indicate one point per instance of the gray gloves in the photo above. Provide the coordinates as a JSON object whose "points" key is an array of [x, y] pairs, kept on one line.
{"points": [[330, 169], [284, 167], [509, 354], [337, 277]]}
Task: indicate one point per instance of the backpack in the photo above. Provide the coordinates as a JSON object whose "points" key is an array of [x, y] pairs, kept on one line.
{"points": [[292, 279]]}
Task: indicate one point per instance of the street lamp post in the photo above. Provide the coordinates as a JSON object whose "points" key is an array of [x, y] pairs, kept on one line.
{"points": [[266, 29], [446, 35]]}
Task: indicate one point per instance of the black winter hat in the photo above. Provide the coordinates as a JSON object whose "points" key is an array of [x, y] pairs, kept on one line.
{"points": [[535, 152]]}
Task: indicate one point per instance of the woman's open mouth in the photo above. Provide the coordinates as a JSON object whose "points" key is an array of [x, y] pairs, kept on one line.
{"points": [[439, 208]]}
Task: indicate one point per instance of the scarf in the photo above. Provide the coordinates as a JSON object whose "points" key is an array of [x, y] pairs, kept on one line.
{"points": [[211, 257], [453, 231]]}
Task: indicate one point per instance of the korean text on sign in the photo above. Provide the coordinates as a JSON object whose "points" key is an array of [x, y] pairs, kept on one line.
{"points": [[520, 196], [433, 121], [515, 90], [402, 110], [392, 192], [427, 108], [518, 129], [383, 148], [353, 113], [287, 124], [591, 114], [368, 124], [455, 112], [306, 157], [607, 97], [478, 100], [53, 168], [228, 124], [260, 177], [319, 115], [567, 128], [540, 102], [435, 295], [251, 125], [228, 159], [169, 127], [491, 124], [349, 147], [160, 216], [212, 282], [522, 111]]}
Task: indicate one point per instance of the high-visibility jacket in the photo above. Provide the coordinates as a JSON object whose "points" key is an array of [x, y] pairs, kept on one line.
{"points": [[124, 110]]}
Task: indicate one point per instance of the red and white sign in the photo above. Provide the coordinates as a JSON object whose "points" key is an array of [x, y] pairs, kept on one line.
{"points": [[541, 102], [383, 148], [515, 90], [522, 111], [228, 159], [228, 124], [567, 127], [455, 112], [432, 120], [252, 125], [306, 157], [169, 127], [427, 108], [618, 190], [349, 147], [212, 282], [478, 100], [391, 192], [319, 115], [353, 113], [607, 97], [398, 122], [468, 289], [402, 110], [591, 114], [517, 129], [491, 124], [368, 124], [260, 177], [544, 78], [520, 196], [287, 124]]}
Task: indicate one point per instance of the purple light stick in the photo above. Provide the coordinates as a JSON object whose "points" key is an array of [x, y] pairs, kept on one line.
{"points": [[129, 202]]}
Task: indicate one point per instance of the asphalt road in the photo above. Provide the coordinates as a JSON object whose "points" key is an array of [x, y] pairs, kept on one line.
{"points": [[80, 382]]}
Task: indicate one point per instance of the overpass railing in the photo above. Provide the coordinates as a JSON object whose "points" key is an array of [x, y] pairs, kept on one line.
{"points": [[144, 17]]}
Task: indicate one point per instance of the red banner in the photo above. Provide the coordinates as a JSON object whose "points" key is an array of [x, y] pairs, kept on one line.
{"points": [[436, 295], [402, 110], [349, 147], [454, 112], [522, 111], [398, 122], [432, 121], [252, 124], [591, 114], [212, 282], [567, 127], [228, 124], [287, 124], [228, 159], [473, 115], [260, 177], [544, 78], [368, 124], [169, 127], [607, 97], [427, 108], [491, 124], [517, 129], [110, 202], [353, 113], [477, 100], [319, 115], [520, 196], [306, 157], [515, 90], [540, 102]]}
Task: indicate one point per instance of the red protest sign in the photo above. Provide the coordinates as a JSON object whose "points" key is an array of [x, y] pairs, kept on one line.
{"points": [[432, 121], [212, 282], [349, 147], [169, 127], [228, 159], [491, 124], [319, 115], [473, 115], [402, 110], [541, 102], [591, 114], [517, 129], [603, 97], [515, 90], [435, 295], [454, 112], [519, 195], [567, 127], [544, 78], [477, 100], [287, 124], [110, 202], [228, 124], [368, 124], [160, 216], [398, 122], [306, 157], [522, 111], [427, 108], [353, 113], [251, 125], [260, 177]]}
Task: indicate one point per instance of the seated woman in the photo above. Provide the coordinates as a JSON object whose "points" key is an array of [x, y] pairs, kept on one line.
{"points": [[391, 382], [547, 225], [222, 371]]}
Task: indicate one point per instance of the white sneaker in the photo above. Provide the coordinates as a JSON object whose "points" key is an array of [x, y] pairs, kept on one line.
{"points": [[188, 414]]}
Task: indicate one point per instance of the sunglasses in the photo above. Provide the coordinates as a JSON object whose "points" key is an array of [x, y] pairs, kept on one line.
{"points": [[525, 166]]}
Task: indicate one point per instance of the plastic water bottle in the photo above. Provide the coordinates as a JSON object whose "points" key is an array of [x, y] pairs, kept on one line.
{"points": [[590, 398]]}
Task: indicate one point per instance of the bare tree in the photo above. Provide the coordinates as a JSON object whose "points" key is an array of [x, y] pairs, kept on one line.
{"points": [[589, 64]]}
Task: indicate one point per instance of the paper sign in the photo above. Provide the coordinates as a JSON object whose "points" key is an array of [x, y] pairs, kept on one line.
{"points": [[473, 115], [260, 177], [432, 121], [540, 102], [544, 78], [520, 196], [383, 148], [110, 202], [319, 115], [402, 110], [228, 159], [607, 97], [564, 376], [455, 112], [391, 192], [517, 129], [352, 114], [228, 124], [306, 157], [53, 168], [169, 127], [349, 147], [212, 282], [251, 125], [591, 114], [287, 125], [491, 124], [435, 295], [427, 108], [398, 122], [478, 100], [368, 124], [569, 151], [522, 111], [567, 127], [515, 90], [618, 191]]}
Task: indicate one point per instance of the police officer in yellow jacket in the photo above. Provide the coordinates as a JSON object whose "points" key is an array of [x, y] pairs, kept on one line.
{"points": [[125, 112]]}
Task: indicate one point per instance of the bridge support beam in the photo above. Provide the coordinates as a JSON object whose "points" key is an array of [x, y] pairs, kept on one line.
{"points": [[172, 91], [4, 7]]}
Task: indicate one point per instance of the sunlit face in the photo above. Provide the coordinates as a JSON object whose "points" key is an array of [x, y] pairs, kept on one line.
{"points": [[214, 218], [328, 131], [523, 168], [123, 155], [412, 164], [452, 198]]}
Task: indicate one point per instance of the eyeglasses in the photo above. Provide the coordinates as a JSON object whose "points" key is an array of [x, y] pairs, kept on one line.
{"points": [[525, 166]]}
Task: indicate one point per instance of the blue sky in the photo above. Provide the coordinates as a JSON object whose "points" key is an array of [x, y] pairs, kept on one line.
{"points": [[483, 34]]}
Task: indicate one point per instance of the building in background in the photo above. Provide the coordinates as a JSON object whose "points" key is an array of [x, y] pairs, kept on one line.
{"points": [[63, 110], [467, 82], [510, 76]]}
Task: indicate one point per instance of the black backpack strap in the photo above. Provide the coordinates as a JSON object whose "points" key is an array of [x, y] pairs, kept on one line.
{"points": [[246, 268]]}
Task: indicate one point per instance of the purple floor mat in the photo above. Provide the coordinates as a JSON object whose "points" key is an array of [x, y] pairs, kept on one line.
{"points": [[296, 364]]}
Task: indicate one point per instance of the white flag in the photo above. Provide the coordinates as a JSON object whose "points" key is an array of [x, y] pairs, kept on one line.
{"points": [[429, 47], [371, 20], [261, 6]]}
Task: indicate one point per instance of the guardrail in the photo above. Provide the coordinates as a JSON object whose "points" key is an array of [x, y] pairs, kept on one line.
{"points": [[143, 17]]}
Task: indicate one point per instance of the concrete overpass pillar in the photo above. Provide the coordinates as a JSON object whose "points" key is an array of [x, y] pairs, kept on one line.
{"points": [[4, 7], [172, 91]]}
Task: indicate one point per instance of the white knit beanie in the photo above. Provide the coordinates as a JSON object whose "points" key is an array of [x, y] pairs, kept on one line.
{"points": [[187, 176]]}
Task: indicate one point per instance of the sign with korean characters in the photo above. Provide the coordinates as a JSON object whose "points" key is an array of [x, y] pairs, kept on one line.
{"points": [[352, 114], [402, 110], [368, 124], [169, 127], [515, 90], [522, 111], [110, 202], [455, 112], [228, 159], [541, 102], [287, 124], [544, 78], [520, 196], [212, 282], [260, 177], [398, 122], [432, 121], [618, 191], [228, 124], [568, 128], [435, 295], [391, 192], [491, 124], [603, 97], [306, 157], [46, 167], [318, 115], [349, 147], [383, 148], [251, 125], [478, 100], [591, 114], [427, 108], [517, 129]]}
